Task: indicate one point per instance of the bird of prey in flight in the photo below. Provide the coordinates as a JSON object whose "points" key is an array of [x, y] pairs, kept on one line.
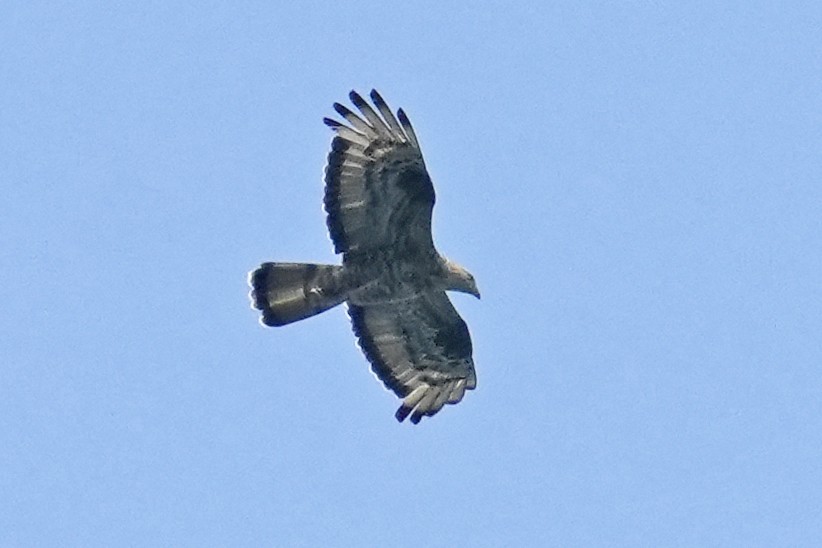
{"points": [[379, 199]]}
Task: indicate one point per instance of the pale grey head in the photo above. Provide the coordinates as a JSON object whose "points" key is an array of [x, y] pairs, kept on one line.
{"points": [[459, 279]]}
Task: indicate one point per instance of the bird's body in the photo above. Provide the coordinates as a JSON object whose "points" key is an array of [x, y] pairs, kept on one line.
{"points": [[379, 200]]}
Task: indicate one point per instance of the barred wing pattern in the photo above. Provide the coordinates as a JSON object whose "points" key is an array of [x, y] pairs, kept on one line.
{"points": [[420, 349], [378, 194]]}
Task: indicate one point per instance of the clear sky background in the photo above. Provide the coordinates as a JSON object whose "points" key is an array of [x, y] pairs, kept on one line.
{"points": [[636, 187]]}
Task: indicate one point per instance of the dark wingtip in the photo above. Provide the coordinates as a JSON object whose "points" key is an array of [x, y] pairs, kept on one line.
{"points": [[403, 118], [417, 417], [342, 110], [331, 122], [376, 97], [402, 412], [356, 98]]}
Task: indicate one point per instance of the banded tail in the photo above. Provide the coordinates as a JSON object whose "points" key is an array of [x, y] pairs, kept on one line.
{"points": [[288, 292]]}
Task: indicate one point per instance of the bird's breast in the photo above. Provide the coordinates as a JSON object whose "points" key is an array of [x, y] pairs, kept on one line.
{"points": [[381, 279]]}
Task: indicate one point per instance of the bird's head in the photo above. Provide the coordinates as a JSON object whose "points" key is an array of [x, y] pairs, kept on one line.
{"points": [[460, 279]]}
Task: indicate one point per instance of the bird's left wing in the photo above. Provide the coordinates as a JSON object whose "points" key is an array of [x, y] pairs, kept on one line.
{"points": [[420, 349], [378, 194]]}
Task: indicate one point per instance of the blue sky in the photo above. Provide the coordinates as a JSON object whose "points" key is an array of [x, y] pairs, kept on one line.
{"points": [[635, 186]]}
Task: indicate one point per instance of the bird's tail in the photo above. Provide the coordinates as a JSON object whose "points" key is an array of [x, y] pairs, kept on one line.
{"points": [[287, 292]]}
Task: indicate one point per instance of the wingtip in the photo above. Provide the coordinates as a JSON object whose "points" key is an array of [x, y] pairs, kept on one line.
{"points": [[355, 97], [402, 412]]}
